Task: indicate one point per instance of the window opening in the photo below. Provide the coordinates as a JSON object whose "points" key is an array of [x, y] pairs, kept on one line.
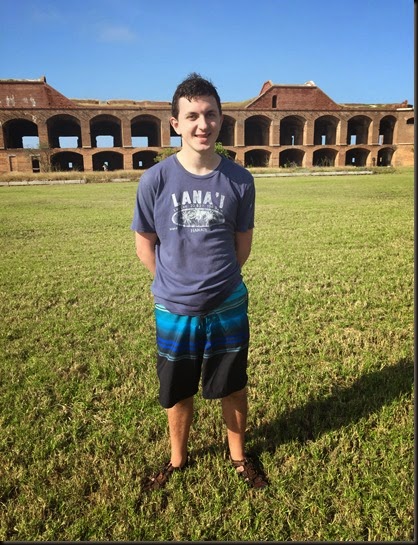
{"points": [[68, 141], [30, 142], [175, 141], [104, 141], [36, 167], [12, 162], [274, 102], [140, 141]]}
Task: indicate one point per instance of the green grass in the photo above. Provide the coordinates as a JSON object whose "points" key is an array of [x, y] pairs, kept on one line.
{"points": [[331, 371]]}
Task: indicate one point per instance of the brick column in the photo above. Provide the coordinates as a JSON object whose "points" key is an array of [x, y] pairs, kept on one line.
{"points": [[274, 158], [240, 132], [1, 137], [374, 132], [165, 133], [126, 133], [340, 158], [127, 160], [88, 162], [43, 135], [275, 133], [240, 156], [341, 135], [85, 133], [308, 134], [307, 158]]}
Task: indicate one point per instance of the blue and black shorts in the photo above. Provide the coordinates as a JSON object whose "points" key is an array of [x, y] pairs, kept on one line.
{"points": [[212, 347]]}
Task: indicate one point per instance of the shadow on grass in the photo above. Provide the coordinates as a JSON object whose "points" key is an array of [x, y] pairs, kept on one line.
{"points": [[344, 406]]}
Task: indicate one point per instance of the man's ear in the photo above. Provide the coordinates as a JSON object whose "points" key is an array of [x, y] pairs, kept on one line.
{"points": [[174, 123]]}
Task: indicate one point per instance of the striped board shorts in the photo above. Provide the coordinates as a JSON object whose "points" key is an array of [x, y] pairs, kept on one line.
{"points": [[212, 347]]}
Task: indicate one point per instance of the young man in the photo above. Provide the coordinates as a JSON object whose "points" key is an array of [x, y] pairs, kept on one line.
{"points": [[193, 223]]}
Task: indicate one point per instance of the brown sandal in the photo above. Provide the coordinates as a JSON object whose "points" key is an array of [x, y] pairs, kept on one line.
{"points": [[159, 480], [249, 473]]}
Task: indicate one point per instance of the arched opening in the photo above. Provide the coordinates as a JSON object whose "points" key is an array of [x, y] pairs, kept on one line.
{"points": [[325, 131], [384, 157], [227, 132], [358, 130], [232, 154], [146, 131], [143, 159], [108, 160], [291, 158], [357, 157], [67, 161], [386, 128], [20, 133], [324, 157], [105, 132], [257, 131], [291, 131], [64, 131], [257, 158]]}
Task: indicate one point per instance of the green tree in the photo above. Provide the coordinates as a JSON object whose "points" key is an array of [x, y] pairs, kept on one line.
{"points": [[221, 150], [164, 153]]}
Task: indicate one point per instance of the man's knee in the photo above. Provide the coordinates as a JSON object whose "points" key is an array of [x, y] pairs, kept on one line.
{"points": [[238, 395]]}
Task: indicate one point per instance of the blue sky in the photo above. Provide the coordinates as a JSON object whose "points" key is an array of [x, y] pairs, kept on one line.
{"points": [[354, 50]]}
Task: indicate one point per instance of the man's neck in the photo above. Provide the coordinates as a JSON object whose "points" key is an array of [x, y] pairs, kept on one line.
{"points": [[199, 163]]}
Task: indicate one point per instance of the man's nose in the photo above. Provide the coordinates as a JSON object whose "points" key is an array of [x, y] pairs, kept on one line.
{"points": [[203, 122]]}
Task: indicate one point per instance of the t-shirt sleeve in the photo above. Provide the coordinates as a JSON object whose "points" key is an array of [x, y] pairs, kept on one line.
{"points": [[143, 220], [246, 210]]}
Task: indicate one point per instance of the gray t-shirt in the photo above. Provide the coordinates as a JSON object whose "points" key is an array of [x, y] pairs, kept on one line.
{"points": [[195, 219]]}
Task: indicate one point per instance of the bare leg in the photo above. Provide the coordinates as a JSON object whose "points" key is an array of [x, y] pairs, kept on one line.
{"points": [[179, 421], [234, 409]]}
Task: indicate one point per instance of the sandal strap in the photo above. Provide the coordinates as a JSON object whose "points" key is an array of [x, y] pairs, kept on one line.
{"points": [[251, 475], [159, 480]]}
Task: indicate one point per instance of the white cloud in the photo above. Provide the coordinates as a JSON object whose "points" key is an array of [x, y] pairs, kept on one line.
{"points": [[46, 14], [116, 34]]}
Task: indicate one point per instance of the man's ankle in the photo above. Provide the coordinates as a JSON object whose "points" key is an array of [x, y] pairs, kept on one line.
{"points": [[178, 461]]}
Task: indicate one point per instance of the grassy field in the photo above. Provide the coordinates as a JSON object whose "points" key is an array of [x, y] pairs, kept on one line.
{"points": [[331, 371]]}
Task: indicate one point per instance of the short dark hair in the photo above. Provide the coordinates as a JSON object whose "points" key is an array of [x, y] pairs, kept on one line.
{"points": [[192, 87]]}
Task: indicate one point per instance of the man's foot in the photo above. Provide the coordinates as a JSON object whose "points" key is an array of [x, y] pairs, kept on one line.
{"points": [[160, 479], [248, 471]]}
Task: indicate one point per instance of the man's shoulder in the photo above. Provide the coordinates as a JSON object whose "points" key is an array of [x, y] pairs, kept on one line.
{"points": [[158, 171], [236, 172]]}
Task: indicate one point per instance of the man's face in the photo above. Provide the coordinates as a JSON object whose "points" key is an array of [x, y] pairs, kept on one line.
{"points": [[198, 123]]}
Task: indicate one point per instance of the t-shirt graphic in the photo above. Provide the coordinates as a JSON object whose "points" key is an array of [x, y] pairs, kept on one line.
{"points": [[198, 210]]}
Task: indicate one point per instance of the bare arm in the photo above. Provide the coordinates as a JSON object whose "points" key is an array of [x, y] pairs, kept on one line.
{"points": [[243, 243], [145, 249]]}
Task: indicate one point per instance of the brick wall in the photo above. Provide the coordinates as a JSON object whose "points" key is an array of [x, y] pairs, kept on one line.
{"points": [[32, 94], [294, 98]]}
